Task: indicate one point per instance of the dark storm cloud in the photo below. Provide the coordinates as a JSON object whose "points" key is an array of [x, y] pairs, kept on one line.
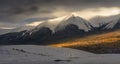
{"points": [[14, 7], [15, 11]]}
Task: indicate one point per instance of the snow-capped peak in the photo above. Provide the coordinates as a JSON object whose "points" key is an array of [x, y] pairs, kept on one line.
{"points": [[62, 22], [100, 20], [76, 20]]}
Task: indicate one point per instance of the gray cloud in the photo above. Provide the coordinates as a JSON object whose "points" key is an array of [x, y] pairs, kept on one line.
{"points": [[27, 7], [17, 11]]}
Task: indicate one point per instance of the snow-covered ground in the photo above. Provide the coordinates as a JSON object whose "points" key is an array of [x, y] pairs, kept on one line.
{"points": [[35, 54]]}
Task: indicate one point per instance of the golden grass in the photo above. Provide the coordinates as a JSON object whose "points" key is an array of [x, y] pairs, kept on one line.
{"points": [[110, 37]]}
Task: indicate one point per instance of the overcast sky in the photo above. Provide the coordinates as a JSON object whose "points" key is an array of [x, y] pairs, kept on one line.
{"points": [[14, 13]]}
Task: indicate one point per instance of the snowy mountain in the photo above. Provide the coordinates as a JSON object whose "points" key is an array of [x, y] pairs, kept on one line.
{"points": [[101, 23], [113, 25], [100, 20], [62, 22], [75, 20], [60, 28], [32, 54]]}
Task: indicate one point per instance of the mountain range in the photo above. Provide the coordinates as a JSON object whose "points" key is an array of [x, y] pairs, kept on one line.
{"points": [[67, 27]]}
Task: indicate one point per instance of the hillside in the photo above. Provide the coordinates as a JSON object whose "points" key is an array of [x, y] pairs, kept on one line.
{"points": [[99, 43]]}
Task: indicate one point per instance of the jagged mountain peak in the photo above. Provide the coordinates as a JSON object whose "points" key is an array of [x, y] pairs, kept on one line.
{"points": [[73, 16], [62, 22], [76, 20]]}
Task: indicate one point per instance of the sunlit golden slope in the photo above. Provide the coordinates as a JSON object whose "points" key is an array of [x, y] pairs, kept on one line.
{"points": [[94, 41]]}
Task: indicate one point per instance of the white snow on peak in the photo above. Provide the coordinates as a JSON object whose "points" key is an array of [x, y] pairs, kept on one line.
{"points": [[100, 20], [76, 20], [61, 22]]}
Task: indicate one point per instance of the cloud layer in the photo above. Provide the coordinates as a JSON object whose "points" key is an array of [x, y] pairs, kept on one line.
{"points": [[20, 11]]}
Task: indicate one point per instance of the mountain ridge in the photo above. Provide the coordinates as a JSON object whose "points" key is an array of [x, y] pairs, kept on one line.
{"points": [[51, 31]]}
